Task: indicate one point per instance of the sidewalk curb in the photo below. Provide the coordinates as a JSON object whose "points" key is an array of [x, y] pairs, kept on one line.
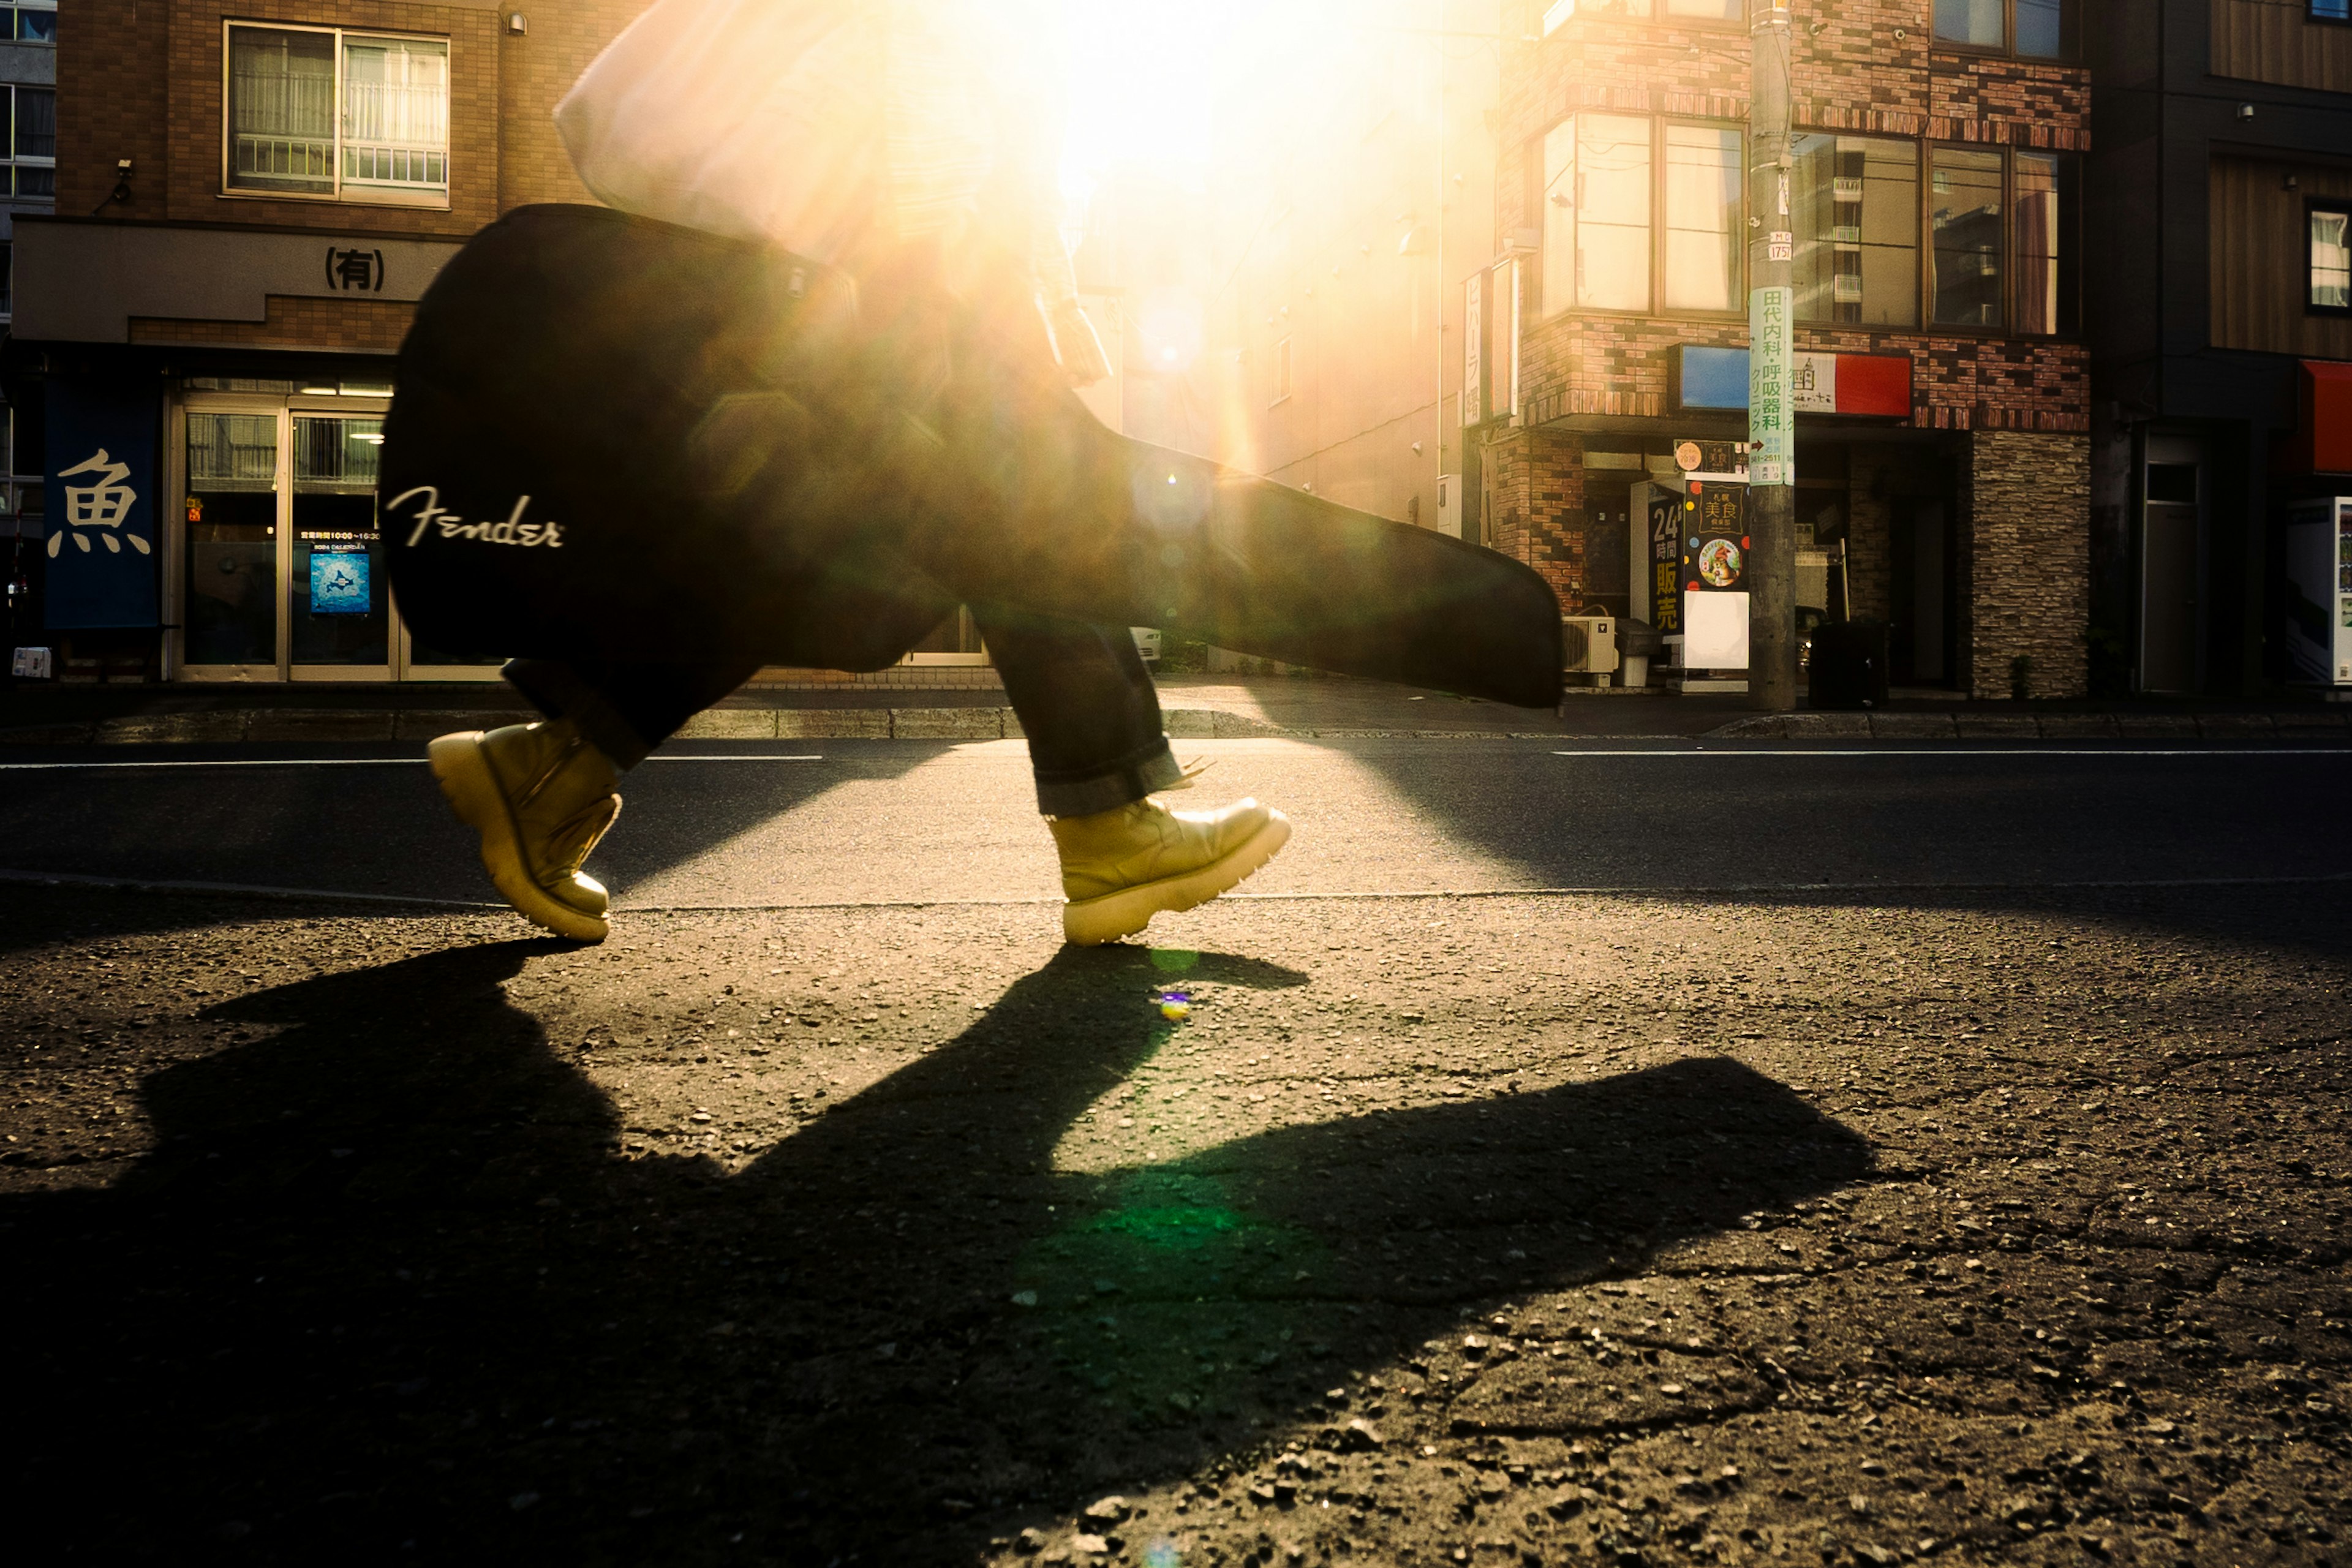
{"points": [[287, 725], [2295, 724]]}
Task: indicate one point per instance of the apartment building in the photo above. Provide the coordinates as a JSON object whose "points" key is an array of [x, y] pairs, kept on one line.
{"points": [[28, 147], [1942, 383], [2222, 329], [250, 201]]}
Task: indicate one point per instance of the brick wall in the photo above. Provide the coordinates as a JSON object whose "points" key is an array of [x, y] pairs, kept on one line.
{"points": [[534, 72], [2026, 562], [111, 105], [368, 326], [195, 115], [1534, 502]]}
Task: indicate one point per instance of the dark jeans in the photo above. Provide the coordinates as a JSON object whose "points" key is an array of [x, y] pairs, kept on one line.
{"points": [[645, 461], [1083, 697]]}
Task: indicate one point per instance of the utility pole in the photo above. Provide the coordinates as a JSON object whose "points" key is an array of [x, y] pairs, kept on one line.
{"points": [[1771, 433]]}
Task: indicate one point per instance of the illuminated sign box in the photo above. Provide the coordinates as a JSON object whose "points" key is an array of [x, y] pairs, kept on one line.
{"points": [[1874, 385]]}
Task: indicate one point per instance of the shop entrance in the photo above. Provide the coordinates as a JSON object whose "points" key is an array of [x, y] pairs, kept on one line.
{"points": [[2172, 549], [1919, 580], [280, 565]]}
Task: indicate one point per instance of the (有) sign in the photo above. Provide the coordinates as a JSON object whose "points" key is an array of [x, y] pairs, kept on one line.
{"points": [[1771, 392], [100, 508]]}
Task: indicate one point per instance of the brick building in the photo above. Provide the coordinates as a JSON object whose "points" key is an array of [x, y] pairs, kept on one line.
{"points": [[1944, 398], [250, 201]]}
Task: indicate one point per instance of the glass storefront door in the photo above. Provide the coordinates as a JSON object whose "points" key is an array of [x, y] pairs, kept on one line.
{"points": [[338, 621], [229, 606], [280, 569]]}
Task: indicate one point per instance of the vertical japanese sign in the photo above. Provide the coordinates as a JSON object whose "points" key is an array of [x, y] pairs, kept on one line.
{"points": [[1771, 392], [100, 505], [1665, 558], [1511, 383], [1473, 332]]}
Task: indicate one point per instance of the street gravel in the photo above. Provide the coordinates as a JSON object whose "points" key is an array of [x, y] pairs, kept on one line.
{"points": [[2004, 1225]]}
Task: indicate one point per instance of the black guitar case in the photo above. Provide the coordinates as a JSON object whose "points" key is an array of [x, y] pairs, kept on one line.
{"points": [[618, 435]]}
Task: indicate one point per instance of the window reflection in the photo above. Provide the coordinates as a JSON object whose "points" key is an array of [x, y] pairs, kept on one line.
{"points": [[1856, 217], [1976, 22], [1613, 212], [1703, 178], [2047, 284], [1964, 221]]}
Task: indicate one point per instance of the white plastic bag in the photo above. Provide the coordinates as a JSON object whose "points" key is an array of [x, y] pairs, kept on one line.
{"points": [[759, 119]]}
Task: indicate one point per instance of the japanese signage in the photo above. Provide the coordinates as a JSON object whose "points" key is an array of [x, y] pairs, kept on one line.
{"points": [[354, 270], [1879, 386], [1771, 412], [1666, 561], [1715, 540], [100, 503], [1473, 331]]}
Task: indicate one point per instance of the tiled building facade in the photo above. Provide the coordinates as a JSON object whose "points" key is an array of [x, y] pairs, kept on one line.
{"points": [[1936, 211]]}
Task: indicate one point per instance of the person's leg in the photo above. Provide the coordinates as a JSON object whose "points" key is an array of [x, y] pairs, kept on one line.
{"points": [[1087, 706], [1096, 744]]}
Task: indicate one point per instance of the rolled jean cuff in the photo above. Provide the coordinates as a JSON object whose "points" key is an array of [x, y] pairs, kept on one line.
{"points": [[556, 690], [1084, 792]]}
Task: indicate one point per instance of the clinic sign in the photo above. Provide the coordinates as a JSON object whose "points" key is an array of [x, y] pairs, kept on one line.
{"points": [[100, 499], [1772, 391]]}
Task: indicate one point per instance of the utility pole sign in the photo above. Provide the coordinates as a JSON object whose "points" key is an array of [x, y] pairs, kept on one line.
{"points": [[1771, 389], [1772, 361]]}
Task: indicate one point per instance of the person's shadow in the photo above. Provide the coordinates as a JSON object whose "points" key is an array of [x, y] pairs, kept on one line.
{"points": [[392, 1285]]}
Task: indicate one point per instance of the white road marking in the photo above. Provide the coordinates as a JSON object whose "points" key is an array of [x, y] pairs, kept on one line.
{"points": [[1962, 749], [1613, 890], [349, 762]]}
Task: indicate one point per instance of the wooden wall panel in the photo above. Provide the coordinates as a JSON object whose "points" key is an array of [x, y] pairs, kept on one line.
{"points": [[2276, 41], [2260, 259]]}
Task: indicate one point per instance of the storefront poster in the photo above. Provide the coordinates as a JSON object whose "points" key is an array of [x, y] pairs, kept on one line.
{"points": [[100, 507], [1715, 540], [340, 583]]}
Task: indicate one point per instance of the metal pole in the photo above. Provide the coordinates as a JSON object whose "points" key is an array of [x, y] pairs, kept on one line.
{"points": [[1771, 459]]}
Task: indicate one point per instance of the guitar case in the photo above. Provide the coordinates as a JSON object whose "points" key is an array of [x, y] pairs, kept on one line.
{"points": [[616, 436]]}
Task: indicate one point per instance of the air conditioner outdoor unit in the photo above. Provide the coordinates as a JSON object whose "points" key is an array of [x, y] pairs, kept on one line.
{"points": [[1589, 643]]}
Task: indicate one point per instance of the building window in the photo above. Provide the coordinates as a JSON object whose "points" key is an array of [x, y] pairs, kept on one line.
{"points": [[32, 169], [1964, 226], [2331, 10], [2037, 29], [8, 279], [32, 22], [1703, 175], [344, 116], [2331, 258], [1281, 370], [1556, 277], [1855, 202], [1645, 10], [2049, 265], [1597, 214], [1603, 176]]}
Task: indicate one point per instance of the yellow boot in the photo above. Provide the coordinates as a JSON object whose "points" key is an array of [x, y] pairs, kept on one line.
{"points": [[1121, 867], [540, 796]]}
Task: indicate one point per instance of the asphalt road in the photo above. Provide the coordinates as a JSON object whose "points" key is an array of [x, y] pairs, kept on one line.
{"points": [[895, 822], [1933, 1156]]}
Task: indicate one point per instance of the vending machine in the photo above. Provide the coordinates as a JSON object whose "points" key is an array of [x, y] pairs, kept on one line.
{"points": [[2319, 591]]}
